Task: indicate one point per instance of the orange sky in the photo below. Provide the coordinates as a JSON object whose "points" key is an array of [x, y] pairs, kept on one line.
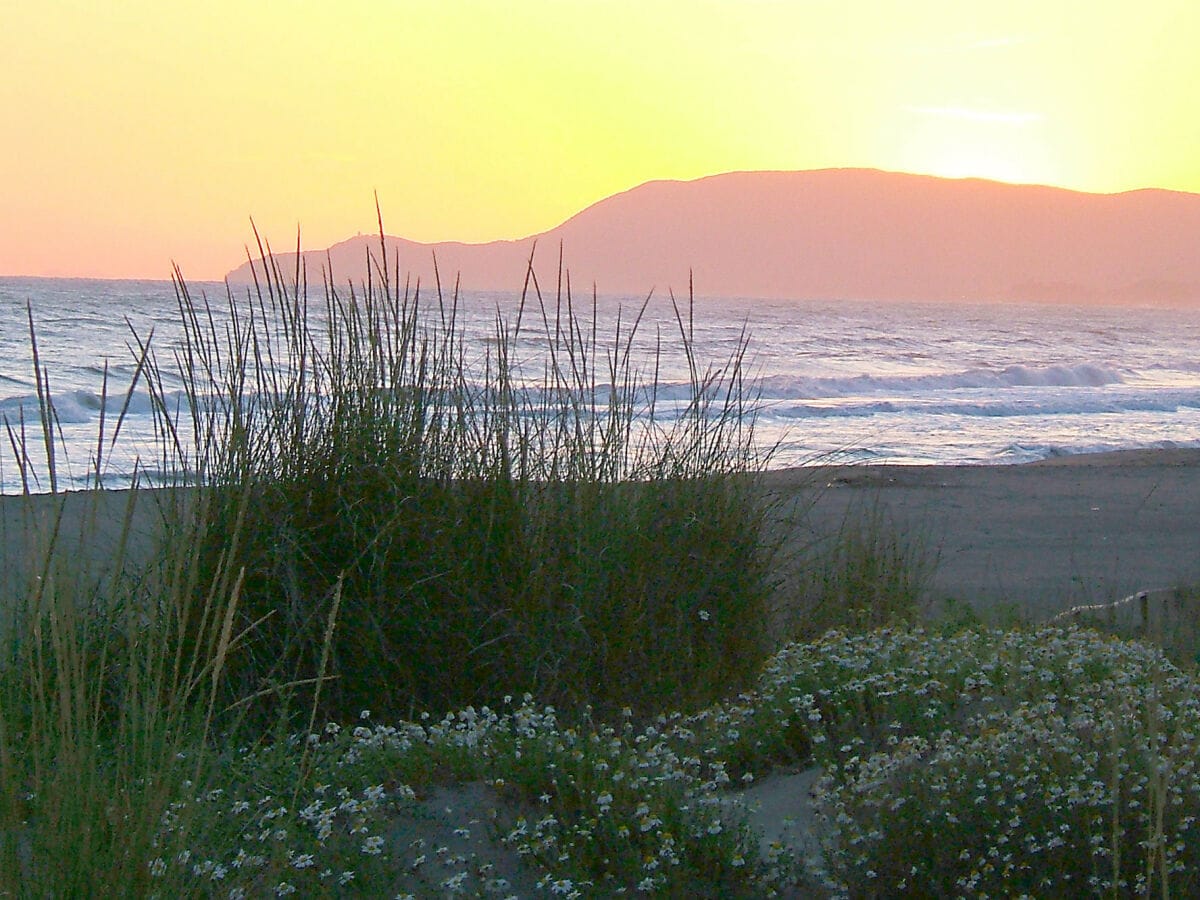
{"points": [[137, 133]]}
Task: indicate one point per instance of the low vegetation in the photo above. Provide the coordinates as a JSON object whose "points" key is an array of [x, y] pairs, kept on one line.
{"points": [[869, 574], [428, 620]]}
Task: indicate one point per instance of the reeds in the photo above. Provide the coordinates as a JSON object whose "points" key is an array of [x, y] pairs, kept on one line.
{"points": [[497, 524], [96, 729]]}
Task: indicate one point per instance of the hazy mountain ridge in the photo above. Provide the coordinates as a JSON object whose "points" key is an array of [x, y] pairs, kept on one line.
{"points": [[834, 233]]}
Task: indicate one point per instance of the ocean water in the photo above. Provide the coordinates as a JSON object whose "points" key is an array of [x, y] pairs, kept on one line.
{"points": [[855, 381]]}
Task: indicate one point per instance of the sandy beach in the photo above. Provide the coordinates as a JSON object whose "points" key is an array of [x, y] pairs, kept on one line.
{"points": [[1033, 539]]}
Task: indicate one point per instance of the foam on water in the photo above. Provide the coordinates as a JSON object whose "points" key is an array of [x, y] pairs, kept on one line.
{"points": [[1083, 375], [915, 383]]}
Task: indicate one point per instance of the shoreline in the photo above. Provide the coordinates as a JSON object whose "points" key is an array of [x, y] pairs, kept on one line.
{"points": [[1032, 539]]}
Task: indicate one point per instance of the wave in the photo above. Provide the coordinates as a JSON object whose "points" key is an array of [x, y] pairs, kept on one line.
{"points": [[1084, 375], [74, 407], [1024, 453], [1175, 364], [81, 406], [1061, 404], [1018, 394]]}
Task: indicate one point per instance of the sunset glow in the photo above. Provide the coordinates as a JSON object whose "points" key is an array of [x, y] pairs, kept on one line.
{"points": [[153, 132]]}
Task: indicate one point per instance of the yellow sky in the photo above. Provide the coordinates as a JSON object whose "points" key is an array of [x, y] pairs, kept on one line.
{"points": [[139, 132]]}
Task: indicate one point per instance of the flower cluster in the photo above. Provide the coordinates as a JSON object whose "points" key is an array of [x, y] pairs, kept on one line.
{"points": [[631, 810], [572, 811], [1047, 763]]}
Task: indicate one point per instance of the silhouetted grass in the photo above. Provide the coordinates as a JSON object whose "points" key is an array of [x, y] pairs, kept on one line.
{"points": [[574, 535]]}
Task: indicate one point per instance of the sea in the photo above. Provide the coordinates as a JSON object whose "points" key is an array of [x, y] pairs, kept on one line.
{"points": [[851, 381]]}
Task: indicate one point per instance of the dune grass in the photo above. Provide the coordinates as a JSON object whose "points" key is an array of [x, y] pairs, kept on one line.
{"points": [[101, 719], [485, 529], [871, 573]]}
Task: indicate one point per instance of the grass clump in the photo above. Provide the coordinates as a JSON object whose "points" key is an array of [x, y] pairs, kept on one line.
{"points": [[354, 500], [541, 516], [99, 722], [869, 574]]}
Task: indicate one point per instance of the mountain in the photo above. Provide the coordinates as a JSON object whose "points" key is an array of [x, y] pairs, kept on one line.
{"points": [[833, 234]]}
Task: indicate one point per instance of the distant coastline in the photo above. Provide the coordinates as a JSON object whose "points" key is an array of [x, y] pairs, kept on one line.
{"points": [[830, 234]]}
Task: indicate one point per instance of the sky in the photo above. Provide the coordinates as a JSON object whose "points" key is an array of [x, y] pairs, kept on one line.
{"points": [[136, 134]]}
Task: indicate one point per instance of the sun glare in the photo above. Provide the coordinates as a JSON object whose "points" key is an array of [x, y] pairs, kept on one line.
{"points": [[960, 142]]}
